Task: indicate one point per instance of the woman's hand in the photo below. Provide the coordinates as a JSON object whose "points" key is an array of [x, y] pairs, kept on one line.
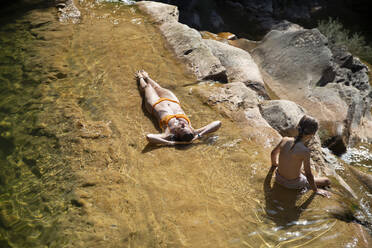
{"points": [[197, 136]]}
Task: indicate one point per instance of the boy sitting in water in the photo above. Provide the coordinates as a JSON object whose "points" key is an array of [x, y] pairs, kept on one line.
{"points": [[292, 154]]}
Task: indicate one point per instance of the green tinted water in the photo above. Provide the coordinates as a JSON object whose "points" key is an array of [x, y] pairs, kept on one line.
{"points": [[32, 201]]}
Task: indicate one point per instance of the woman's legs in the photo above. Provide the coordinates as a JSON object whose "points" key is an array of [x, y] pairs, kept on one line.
{"points": [[162, 92], [151, 96]]}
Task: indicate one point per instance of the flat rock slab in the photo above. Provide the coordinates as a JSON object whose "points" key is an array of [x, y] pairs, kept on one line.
{"points": [[294, 62], [240, 103]]}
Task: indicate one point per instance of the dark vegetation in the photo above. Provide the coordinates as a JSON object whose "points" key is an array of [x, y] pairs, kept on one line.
{"points": [[339, 36]]}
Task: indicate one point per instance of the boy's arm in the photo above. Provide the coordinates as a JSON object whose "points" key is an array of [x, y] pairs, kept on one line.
{"points": [[309, 175], [210, 128], [275, 154]]}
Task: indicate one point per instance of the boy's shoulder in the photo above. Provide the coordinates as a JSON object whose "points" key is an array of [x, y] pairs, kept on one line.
{"points": [[285, 140], [303, 149]]}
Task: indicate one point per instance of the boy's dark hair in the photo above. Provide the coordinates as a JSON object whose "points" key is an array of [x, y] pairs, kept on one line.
{"points": [[307, 125]]}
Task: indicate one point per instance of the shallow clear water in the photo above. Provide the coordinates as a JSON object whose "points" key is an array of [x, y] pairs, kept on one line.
{"points": [[79, 172]]}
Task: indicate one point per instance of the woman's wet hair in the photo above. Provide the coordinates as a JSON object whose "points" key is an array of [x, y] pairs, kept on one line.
{"points": [[183, 134], [307, 125], [187, 137]]}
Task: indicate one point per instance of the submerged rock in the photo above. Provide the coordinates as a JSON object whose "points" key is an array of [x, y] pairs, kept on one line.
{"points": [[67, 11], [93, 129], [364, 178]]}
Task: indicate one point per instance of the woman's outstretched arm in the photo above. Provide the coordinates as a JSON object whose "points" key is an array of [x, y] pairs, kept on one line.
{"points": [[162, 139], [210, 128]]}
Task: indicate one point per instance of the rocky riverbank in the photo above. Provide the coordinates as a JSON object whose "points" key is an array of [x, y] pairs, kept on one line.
{"points": [[294, 64]]}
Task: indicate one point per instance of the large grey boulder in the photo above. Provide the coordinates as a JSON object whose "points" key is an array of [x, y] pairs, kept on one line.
{"points": [[299, 66], [188, 45], [239, 65], [282, 115]]}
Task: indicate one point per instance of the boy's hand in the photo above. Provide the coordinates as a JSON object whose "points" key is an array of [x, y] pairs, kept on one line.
{"points": [[323, 193]]}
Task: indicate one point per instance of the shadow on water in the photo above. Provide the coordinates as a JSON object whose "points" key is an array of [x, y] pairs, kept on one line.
{"points": [[281, 202], [14, 9], [152, 147], [6, 146]]}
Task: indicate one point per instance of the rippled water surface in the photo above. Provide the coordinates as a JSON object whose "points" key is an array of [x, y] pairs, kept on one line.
{"points": [[360, 156], [78, 172]]}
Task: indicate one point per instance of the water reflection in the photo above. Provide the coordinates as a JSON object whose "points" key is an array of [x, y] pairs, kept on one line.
{"points": [[281, 202]]}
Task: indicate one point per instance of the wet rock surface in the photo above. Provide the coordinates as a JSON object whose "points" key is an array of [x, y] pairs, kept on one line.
{"points": [[297, 65], [240, 103]]}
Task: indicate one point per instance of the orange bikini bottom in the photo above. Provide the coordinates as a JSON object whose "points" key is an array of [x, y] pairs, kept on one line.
{"points": [[164, 121]]}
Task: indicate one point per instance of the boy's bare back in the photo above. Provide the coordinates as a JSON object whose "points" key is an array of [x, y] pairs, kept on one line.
{"points": [[291, 159]]}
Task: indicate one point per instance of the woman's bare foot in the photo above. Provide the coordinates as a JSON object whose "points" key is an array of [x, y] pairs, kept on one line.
{"points": [[138, 74], [144, 74], [139, 77]]}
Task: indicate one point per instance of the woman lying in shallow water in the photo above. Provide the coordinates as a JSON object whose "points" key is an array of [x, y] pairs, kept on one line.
{"points": [[165, 106]]}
